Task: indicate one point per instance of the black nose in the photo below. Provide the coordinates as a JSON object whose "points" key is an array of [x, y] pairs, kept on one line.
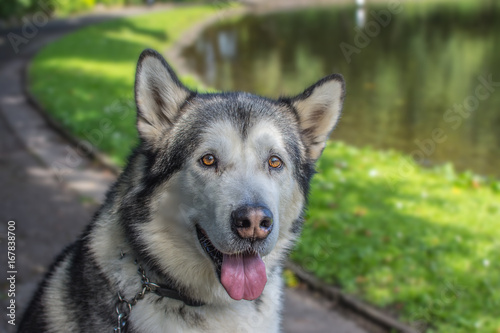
{"points": [[252, 222]]}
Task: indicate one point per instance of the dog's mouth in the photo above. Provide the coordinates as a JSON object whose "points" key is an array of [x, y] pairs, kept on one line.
{"points": [[243, 275], [210, 249]]}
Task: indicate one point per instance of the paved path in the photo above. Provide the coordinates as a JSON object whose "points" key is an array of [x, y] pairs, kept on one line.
{"points": [[50, 211]]}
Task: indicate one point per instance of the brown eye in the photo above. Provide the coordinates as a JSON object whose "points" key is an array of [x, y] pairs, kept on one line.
{"points": [[208, 160], [275, 162]]}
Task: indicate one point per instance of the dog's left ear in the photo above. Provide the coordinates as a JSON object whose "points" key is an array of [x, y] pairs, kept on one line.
{"points": [[159, 95], [319, 108]]}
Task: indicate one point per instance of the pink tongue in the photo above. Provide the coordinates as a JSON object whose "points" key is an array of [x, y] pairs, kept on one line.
{"points": [[243, 276]]}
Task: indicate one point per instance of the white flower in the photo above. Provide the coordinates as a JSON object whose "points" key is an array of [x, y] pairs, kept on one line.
{"points": [[486, 262]]}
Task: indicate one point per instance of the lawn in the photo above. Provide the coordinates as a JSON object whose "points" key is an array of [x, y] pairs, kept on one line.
{"points": [[423, 243], [85, 80]]}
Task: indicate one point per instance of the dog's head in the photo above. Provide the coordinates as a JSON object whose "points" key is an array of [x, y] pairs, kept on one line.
{"points": [[230, 171]]}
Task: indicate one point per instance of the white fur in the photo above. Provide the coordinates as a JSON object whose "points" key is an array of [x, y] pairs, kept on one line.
{"points": [[54, 301], [326, 98]]}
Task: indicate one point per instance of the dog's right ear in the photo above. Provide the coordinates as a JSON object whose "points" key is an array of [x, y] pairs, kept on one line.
{"points": [[158, 95]]}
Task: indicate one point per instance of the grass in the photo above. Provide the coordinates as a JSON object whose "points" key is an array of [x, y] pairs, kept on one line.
{"points": [[86, 79], [424, 243], [421, 242]]}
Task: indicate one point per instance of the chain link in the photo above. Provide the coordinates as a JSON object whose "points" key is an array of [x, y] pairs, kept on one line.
{"points": [[124, 307]]}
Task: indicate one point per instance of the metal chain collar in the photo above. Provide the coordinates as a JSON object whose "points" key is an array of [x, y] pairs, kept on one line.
{"points": [[124, 307]]}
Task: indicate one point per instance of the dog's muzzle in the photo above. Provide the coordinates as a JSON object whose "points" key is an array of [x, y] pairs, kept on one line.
{"points": [[242, 273]]}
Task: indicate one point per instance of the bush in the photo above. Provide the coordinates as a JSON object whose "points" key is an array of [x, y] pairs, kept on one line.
{"points": [[65, 7], [16, 9]]}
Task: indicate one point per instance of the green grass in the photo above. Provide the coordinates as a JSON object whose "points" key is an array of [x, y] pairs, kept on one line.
{"points": [[86, 79], [423, 243]]}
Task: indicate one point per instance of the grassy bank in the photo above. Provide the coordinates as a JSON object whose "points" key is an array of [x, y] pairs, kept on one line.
{"points": [[85, 80], [423, 243]]}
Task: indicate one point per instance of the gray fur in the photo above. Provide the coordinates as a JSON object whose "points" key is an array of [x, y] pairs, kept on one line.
{"points": [[164, 195]]}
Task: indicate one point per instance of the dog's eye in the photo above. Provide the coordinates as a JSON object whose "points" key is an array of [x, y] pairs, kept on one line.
{"points": [[275, 162], [208, 160]]}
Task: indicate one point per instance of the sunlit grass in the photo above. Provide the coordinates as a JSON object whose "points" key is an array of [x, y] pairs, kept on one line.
{"points": [[423, 243], [86, 79]]}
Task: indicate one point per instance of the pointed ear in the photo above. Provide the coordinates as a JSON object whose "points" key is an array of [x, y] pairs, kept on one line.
{"points": [[158, 94], [319, 108]]}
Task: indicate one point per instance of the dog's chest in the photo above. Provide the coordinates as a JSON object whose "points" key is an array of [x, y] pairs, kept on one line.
{"points": [[243, 316]]}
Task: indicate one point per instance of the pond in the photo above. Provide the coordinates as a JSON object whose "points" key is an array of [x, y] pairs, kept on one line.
{"points": [[422, 79]]}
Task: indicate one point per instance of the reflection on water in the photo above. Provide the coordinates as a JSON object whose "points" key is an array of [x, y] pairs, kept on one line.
{"points": [[360, 13], [419, 86], [227, 44]]}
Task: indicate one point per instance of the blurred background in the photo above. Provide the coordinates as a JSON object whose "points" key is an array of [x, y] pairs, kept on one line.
{"points": [[405, 209]]}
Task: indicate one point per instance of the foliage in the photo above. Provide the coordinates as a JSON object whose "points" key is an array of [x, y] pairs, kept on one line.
{"points": [[423, 243], [15, 8], [65, 7], [18, 8]]}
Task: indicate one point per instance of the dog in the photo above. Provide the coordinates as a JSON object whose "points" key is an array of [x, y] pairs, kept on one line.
{"points": [[193, 235]]}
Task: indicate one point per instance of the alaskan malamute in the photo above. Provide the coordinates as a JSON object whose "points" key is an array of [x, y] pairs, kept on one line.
{"points": [[193, 235]]}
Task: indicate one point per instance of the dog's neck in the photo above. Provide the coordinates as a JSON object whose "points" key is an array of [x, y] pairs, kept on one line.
{"points": [[166, 289]]}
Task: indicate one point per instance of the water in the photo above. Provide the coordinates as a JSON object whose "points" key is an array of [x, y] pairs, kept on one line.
{"points": [[415, 83]]}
